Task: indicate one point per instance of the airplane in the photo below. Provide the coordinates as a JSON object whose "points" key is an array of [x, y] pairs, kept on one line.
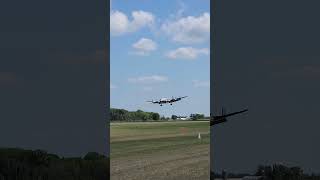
{"points": [[167, 100], [223, 117]]}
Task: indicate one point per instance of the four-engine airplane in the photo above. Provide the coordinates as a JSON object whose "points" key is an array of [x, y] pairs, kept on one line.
{"points": [[167, 100], [223, 117]]}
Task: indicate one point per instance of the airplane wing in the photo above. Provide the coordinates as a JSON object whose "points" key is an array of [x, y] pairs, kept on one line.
{"points": [[179, 98], [234, 113], [222, 118]]}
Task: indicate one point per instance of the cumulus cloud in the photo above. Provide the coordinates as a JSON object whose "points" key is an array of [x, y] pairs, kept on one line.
{"points": [[188, 30], [187, 53], [181, 10], [121, 24], [148, 79], [197, 83], [144, 46]]}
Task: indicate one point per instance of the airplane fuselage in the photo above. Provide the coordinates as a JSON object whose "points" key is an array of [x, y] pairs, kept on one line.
{"points": [[167, 100]]}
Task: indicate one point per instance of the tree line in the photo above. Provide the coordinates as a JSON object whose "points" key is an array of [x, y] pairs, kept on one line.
{"points": [[39, 165], [271, 172], [139, 115]]}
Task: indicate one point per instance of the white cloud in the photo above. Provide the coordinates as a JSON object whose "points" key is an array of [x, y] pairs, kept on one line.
{"points": [[148, 79], [189, 30], [144, 46], [181, 10], [182, 7], [120, 23], [141, 19], [187, 53], [197, 83]]}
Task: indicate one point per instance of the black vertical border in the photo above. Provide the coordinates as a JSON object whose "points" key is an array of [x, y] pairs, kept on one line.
{"points": [[212, 75], [107, 84]]}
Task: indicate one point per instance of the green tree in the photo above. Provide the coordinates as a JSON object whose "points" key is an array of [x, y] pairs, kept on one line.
{"points": [[174, 117], [196, 116], [124, 115], [155, 116]]}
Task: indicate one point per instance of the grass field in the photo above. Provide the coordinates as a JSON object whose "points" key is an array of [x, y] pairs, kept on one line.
{"points": [[160, 150]]}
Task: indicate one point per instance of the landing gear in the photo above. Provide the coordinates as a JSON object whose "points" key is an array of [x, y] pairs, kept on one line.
{"points": [[171, 104], [160, 104]]}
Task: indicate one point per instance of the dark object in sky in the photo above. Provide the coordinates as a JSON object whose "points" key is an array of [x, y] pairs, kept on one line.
{"points": [[166, 100], [222, 118]]}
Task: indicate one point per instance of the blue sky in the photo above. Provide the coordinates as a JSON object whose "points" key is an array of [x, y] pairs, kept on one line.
{"points": [[160, 49]]}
